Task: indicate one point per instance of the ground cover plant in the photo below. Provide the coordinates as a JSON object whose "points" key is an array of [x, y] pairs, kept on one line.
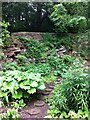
{"points": [[70, 98], [17, 85], [34, 48]]}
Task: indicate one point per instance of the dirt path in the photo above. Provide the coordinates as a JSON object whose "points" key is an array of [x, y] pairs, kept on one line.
{"points": [[37, 107]]}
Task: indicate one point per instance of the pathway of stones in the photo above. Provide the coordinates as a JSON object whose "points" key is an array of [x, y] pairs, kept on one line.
{"points": [[37, 107]]}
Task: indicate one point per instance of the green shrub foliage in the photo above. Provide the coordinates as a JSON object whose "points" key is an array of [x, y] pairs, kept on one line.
{"points": [[72, 94], [5, 37], [16, 85], [65, 22]]}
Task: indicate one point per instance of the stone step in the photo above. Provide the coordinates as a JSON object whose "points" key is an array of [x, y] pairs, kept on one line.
{"points": [[39, 103], [33, 111]]}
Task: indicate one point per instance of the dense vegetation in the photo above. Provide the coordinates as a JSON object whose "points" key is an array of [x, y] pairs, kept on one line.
{"points": [[60, 56], [35, 16]]}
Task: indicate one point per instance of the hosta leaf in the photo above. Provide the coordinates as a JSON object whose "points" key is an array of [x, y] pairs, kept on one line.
{"points": [[8, 79], [33, 84], [26, 82], [6, 85], [2, 94], [17, 94], [41, 86], [31, 91], [24, 86]]}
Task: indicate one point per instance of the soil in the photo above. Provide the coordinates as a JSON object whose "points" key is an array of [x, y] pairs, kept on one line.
{"points": [[37, 107]]}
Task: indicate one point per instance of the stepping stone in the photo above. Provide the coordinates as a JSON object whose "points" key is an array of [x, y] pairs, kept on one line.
{"points": [[51, 86], [48, 90], [33, 111], [39, 103], [45, 93], [58, 82]]}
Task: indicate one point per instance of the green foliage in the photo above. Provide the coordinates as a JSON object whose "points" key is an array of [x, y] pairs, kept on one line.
{"points": [[60, 18], [80, 44], [78, 23], [65, 22], [17, 85], [10, 115], [54, 61], [4, 33], [10, 66], [43, 69], [77, 8], [1, 55], [60, 64], [34, 48], [21, 59], [71, 94], [49, 78]]}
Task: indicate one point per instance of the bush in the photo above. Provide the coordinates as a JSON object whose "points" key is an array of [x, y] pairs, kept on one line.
{"points": [[78, 23], [10, 114], [17, 85], [4, 33], [60, 18], [65, 22], [34, 48], [71, 94]]}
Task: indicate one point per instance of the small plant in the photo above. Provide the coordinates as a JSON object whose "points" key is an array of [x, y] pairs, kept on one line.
{"points": [[5, 33], [10, 66], [34, 48], [17, 85], [21, 59], [10, 115], [78, 23]]}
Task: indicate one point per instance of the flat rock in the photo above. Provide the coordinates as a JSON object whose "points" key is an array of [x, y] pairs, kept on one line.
{"points": [[10, 54], [39, 103], [57, 82], [3, 109], [51, 86], [45, 93], [33, 111], [48, 90]]}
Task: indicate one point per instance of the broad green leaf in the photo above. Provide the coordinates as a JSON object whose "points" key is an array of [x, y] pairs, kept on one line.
{"points": [[41, 86], [17, 94], [24, 86], [33, 84], [32, 90]]}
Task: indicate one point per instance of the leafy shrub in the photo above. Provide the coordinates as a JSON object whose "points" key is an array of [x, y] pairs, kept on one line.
{"points": [[60, 64], [67, 59], [43, 69], [16, 85], [71, 94], [34, 48], [10, 66], [10, 114], [54, 61], [5, 33], [21, 59], [60, 18], [50, 41], [80, 44], [78, 23], [64, 22]]}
